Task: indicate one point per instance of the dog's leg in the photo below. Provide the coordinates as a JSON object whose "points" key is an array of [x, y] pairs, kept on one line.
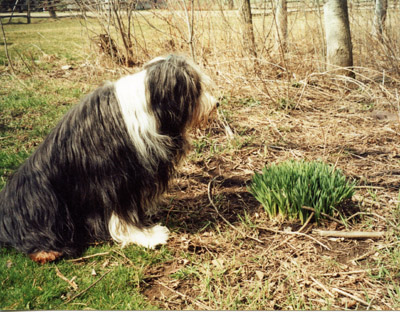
{"points": [[45, 256], [126, 234]]}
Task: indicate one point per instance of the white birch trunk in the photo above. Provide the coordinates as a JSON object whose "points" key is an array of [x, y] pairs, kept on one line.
{"points": [[379, 18], [338, 37]]}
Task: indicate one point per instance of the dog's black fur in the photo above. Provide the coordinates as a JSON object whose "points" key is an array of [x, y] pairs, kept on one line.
{"points": [[89, 168]]}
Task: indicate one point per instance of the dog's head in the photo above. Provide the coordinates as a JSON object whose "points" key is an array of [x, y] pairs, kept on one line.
{"points": [[179, 93]]}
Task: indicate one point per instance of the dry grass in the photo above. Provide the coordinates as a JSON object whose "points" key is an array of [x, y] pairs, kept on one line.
{"points": [[287, 271], [289, 109]]}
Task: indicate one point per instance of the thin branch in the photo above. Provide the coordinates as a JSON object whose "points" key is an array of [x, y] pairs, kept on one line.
{"points": [[88, 257], [190, 27], [337, 290], [323, 214], [322, 286], [70, 282], [294, 233], [306, 223], [83, 291], [349, 272], [6, 47], [290, 237], [228, 129], [354, 234], [372, 214]]}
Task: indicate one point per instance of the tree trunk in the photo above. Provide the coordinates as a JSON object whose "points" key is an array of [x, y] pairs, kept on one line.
{"points": [[281, 25], [247, 28], [379, 18], [338, 37], [52, 9], [28, 14]]}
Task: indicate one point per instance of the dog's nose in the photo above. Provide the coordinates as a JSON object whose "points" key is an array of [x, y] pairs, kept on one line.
{"points": [[217, 105]]}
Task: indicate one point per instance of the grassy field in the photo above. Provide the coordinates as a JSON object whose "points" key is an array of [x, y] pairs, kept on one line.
{"points": [[291, 109]]}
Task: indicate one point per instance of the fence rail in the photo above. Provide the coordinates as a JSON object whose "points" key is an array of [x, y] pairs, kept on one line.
{"points": [[14, 8]]}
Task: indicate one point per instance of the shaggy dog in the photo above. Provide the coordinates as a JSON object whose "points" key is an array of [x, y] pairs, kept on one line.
{"points": [[101, 171]]}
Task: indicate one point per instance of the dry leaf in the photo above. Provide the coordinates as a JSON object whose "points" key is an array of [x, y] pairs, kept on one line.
{"points": [[260, 275], [218, 263]]}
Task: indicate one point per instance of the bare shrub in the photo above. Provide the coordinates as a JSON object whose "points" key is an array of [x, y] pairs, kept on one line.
{"points": [[211, 33]]}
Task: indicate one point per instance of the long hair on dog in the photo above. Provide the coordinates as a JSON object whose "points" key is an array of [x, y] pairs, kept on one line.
{"points": [[101, 171]]}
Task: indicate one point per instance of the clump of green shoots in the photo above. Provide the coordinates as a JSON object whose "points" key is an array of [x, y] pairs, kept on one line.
{"points": [[285, 188]]}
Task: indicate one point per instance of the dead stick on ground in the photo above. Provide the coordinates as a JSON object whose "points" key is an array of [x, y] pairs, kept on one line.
{"points": [[372, 214], [290, 237], [355, 234], [295, 233], [323, 214], [350, 296], [196, 302], [125, 257], [223, 218], [228, 130], [322, 286], [88, 257], [70, 282], [83, 291], [349, 272]]}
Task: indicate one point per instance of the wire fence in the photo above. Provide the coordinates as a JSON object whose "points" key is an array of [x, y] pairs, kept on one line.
{"points": [[20, 6]]}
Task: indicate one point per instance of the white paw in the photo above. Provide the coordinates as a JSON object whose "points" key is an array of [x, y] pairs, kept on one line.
{"points": [[148, 237], [155, 235]]}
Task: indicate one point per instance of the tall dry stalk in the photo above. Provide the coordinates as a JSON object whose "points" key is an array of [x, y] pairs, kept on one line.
{"points": [[190, 26], [6, 48]]}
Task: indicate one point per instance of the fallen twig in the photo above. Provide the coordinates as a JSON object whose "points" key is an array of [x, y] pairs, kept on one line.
{"points": [[83, 291], [348, 272], [372, 214], [228, 130], [322, 286], [350, 296], [323, 214], [88, 257], [290, 237], [295, 233], [70, 282], [125, 257], [355, 234]]}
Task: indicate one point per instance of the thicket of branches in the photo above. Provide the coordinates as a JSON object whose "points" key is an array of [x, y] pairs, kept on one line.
{"points": [[242, 47], [212, 33]]}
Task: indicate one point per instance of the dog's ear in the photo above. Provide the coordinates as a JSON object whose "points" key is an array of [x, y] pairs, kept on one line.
{"points": [[173, 87]]}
